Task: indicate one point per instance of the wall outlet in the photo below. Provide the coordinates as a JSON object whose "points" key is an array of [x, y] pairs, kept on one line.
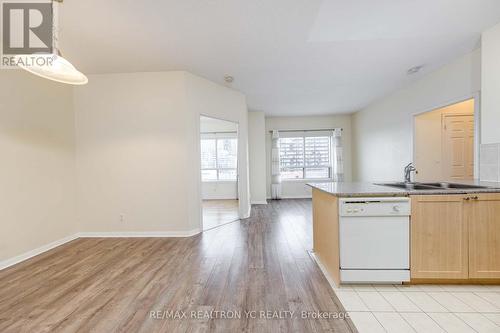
{"points": [[122, 217]]}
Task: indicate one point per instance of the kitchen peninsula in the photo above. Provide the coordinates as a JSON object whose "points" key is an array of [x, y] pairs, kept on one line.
{"points": [[407, 232]]}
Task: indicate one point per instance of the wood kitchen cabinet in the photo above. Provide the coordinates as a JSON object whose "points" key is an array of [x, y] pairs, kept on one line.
{"points": [[326, 233], [439, 237], [482, 212], [455, 237]]}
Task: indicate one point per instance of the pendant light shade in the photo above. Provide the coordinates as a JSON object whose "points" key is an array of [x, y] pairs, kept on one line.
{"points": [[54, 68]]}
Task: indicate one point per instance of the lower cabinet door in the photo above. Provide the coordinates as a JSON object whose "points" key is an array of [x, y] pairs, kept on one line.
{"points": [[439, 237], [483, 215]]}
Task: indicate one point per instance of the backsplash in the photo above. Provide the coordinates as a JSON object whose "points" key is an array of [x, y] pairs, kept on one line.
{"points": [[489, 166]]}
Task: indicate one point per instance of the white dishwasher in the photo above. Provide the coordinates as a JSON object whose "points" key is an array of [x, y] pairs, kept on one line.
{"points": [[374, 240]]}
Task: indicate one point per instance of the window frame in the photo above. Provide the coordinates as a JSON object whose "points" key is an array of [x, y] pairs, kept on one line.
{"points": [[217, 169], [304, 168]]}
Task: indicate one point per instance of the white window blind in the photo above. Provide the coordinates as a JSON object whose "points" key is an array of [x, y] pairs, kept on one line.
{"points": [[219, 158], [305, 156]]}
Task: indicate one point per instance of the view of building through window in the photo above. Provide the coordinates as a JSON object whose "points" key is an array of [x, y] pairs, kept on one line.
{"points": [[305, 157], [219, 159]]}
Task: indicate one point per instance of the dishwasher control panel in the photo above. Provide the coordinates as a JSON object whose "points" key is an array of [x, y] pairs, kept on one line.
{"points": [[375, 207]]}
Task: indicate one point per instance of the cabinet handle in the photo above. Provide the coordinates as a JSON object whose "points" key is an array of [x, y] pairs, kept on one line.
{"points": [[475, 198], [467, 199]]}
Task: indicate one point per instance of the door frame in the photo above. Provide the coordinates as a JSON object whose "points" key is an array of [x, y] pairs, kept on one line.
{"points": [[476, 96], [238, 165]]}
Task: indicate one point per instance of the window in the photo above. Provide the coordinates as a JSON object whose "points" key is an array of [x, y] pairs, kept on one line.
{"points": [[305, 157], [219, 159]]}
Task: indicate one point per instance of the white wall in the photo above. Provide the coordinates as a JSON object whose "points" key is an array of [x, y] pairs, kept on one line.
{"points": [[132, 153], [490, 99], [382, 132], [207, 98], [257, 156], [37, 191], [219, 190], [213, 125], [490, 106], [298, 188], [138, 150]]}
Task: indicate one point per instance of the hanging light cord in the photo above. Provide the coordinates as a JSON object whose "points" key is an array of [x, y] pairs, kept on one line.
{"points": [[55, 27]]}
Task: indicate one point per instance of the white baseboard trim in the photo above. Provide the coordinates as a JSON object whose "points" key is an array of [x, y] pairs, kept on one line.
{"points": [[294, 197], [259, 202], [139, 234], [30, 254], [298, 197]]}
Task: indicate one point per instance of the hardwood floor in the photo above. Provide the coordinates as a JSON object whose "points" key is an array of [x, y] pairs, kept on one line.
{"points": [[117, 285], [219, 212]]}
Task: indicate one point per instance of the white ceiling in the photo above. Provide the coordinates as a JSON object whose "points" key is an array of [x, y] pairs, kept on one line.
{"points": [[290, 57]]}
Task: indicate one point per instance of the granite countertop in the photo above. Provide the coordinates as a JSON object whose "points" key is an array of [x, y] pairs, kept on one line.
{"points": [[362, 189]]}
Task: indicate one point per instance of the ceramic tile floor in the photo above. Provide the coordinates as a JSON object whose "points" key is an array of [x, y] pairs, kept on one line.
{"points": [[422, 308]]}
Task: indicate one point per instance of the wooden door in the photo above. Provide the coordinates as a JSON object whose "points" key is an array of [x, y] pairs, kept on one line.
{"points": [[483, 215], [458, 147], [439, 237]]}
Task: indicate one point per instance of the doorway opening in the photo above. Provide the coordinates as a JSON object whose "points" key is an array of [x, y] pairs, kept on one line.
{"points": [[219, 172], [445, 143]]}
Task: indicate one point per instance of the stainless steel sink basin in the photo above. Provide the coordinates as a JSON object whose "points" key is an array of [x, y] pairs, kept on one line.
{"points": [[454, 186], [432, 186], [411, 186]]}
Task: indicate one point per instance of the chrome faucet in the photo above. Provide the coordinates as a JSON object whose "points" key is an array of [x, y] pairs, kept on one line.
{"points": [[408, 170]]}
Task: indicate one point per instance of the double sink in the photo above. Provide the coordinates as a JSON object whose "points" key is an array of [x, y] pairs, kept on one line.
{"points": [[433, 186]]}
